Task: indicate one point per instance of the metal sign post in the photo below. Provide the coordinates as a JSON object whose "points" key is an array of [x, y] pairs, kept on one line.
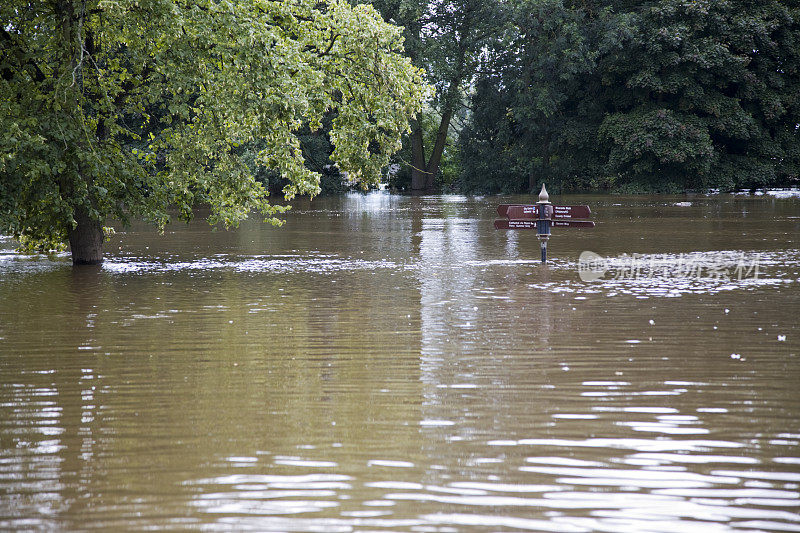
{"points": [[542, 216], [543, 224]]}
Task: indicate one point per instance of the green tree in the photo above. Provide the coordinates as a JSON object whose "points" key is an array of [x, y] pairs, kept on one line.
{"points": [[640, 96], [709, 96], [446, 38], [189, 83], [537, 100]]}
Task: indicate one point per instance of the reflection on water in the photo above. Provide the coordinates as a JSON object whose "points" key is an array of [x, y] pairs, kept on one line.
{"points": [[394, 363]]}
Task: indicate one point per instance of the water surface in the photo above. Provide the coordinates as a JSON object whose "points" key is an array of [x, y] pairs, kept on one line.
{"points": [[389, 363]]}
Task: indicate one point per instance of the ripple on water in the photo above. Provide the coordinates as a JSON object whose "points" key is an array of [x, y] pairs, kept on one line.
{"points": [[282, 264], [454, 411], [664, 275]]}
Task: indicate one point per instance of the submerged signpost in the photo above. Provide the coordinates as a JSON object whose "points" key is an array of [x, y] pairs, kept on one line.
{"points": [[541, 217]]}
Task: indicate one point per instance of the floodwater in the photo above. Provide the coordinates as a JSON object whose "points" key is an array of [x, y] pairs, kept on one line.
{"points": [[389, 363]]}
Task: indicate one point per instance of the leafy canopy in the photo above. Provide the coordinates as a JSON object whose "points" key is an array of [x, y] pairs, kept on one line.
{"points": [[129, 108], [662, 95]]}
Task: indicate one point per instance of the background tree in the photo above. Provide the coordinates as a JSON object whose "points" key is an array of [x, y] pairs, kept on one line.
{"points": [[446, 38], [191, 83], [709, 96], [639, 96], [537, 100]]}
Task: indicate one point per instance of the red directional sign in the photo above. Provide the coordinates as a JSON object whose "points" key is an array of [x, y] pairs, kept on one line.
{"points": [[573, 223], [521, 211], [568, 212], [531, 224], [514, 224], [518, 210], [542, 217], [571, 211]]}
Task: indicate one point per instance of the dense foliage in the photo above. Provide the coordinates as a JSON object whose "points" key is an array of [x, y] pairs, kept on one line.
{"points": [[663, 95], [132, 108], [445, 38]]}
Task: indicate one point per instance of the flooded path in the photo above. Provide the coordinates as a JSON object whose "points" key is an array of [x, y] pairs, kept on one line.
{"points": [[387, 363]]}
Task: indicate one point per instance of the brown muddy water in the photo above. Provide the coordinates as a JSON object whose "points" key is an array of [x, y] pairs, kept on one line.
{"points": [[388, 363]]}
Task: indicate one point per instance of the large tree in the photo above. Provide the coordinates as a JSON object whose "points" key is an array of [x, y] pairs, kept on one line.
{"points": [[135, 108], [709, 96], [536, 100], [446, 38], [663, 95]]}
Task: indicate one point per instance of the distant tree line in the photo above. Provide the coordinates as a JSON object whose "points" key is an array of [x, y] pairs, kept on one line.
{"points": [[627, 96]]}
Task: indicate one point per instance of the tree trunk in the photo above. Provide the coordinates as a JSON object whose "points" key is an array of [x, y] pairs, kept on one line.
{"points": [[418, 176], [438, 148], [86, 239], [423, 173]]}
